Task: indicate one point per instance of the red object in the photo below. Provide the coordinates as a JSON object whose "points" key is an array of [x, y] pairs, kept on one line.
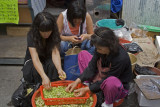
{"points": [[124, 41], [115, 104], [37, 94], [62, 101]]}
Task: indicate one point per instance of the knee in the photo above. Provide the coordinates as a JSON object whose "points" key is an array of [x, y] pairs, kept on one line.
{"points": [[84, 56], [111, 83]]}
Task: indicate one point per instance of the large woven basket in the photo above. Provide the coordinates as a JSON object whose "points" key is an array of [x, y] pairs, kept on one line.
{"points": [[133, 60]]}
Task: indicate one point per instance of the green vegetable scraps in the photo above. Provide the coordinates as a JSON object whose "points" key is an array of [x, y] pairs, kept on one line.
{"points": [[59, 92], [40, 103], [29, 90]]}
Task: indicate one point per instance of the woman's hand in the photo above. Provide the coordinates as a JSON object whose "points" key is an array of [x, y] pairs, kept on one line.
{"points": [[75, 39], [81, 91], [62, 74], [84, 37], [73, 85], [46, 83]]}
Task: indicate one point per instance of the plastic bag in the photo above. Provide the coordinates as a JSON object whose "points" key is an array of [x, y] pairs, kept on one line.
{"points": [[71, 67], [120, 22], [136, 31], [123, 33], [132, 47], [143, 70], [21, 98]]}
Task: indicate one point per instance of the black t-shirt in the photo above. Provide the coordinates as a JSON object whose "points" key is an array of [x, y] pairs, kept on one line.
{"points": [[30, 43], [120, 68]]}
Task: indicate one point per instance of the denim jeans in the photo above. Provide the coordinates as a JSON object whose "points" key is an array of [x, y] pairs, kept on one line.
{"points": [[65, 45]]}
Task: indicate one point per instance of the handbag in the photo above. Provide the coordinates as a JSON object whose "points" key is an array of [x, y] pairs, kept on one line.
{"points": [[71, 67]]}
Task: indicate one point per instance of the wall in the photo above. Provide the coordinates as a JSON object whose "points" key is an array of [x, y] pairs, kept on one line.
{"points": [[146, 12], [98, 9]]}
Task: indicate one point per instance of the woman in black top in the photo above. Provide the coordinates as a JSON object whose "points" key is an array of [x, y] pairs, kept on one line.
{"points": [[42, 60], [109, 69]]}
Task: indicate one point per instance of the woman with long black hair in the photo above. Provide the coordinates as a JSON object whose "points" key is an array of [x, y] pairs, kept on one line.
{"points": [[42, 60]]}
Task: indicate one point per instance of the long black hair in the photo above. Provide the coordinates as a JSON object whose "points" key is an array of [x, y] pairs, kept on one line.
{"points": [[76, 10], [45, 22], [105, 37]]}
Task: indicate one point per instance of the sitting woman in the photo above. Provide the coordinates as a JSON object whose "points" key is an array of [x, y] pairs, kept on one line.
{"points": [[42, 60], [109, 71], [76, 27]]}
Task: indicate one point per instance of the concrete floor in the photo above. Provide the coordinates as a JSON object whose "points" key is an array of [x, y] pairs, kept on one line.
{"points": [[12, 51], [10, 79], [10, 75]]}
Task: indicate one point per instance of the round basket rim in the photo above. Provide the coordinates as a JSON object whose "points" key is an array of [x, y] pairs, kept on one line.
{"points": [[37, 93]]}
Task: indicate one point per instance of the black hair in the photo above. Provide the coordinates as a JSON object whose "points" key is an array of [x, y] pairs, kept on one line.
{"points": [[76, 10], [105, 37], [45, 22]]}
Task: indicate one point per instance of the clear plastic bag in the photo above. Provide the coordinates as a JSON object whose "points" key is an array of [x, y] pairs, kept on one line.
{"points": [[123, 33], [136, 31]]}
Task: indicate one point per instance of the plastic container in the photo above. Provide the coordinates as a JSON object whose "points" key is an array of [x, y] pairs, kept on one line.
{"points": [[110, 23], [154, 69], [149, 28], [142, 100], [37, 94], [62, 101]]}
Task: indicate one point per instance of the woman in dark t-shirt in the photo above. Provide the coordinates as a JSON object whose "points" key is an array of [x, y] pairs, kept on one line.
{"points": [[108, 72], [42, 60]]}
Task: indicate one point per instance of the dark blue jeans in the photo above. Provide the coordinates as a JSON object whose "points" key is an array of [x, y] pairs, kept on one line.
{"points": [[84, 46]]}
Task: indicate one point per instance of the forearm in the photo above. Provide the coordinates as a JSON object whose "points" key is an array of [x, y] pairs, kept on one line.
{"points": [[38, 66], [78, 80], [56, 59], [88, 36], [95, 87], [65, 38]]}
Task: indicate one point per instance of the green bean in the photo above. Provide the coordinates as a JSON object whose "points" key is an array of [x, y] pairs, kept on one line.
{"points": [[59, 92]]}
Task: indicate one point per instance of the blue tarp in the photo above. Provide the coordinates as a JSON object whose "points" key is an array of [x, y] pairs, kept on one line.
{"points": [[116, 5]]}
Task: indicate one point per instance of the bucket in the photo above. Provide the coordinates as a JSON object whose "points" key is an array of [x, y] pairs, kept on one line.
{"points": [[133, 60], [110, 23]]}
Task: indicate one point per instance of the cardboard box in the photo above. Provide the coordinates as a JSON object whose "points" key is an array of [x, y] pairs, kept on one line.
{"points": [[142, 100], [25, 16], [22, 1], [157, 43], [17, 30]]}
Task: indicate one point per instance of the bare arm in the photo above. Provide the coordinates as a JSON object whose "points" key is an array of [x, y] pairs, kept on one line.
{"points": [[89, 26], [60, 28], [72, 39], [38, 66], [57, 62]]}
